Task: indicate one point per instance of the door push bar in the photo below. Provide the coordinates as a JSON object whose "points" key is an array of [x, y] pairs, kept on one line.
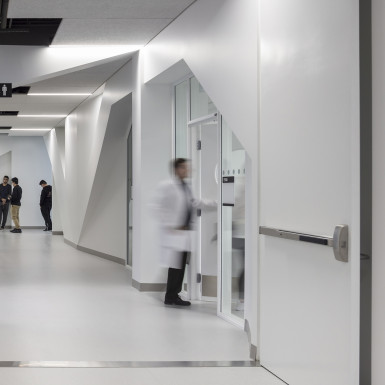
{"points": [[339, 241]]}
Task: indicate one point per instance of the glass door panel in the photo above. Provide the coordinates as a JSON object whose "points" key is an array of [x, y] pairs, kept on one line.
{"points": [[209, 217], [201, 104], [203, 267], [129, 198], [233, 225], [181, 119]]}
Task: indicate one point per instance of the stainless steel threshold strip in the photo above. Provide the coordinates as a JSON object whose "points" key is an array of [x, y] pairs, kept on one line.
{"points": [[127, 364]]}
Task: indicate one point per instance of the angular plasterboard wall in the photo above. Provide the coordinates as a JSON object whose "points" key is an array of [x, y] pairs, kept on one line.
{"points": [[57, 209], [152, 151], [92, 132], [22, 65], [54, 142], [6, 164], [223, 54], [83, 143], [104, 226]]}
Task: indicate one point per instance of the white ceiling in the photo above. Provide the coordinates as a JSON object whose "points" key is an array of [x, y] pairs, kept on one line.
{"points": [[85, 22], [108, 31], [100, 21], [84, 81]]}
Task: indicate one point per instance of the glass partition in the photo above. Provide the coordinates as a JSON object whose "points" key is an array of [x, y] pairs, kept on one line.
{"points": [[201, 104], [129, 198], [181, 118], [233, 224], [191, 104]]}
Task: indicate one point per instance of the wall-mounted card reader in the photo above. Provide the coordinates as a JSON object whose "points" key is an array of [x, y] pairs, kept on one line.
{"points": [[228, 191]]}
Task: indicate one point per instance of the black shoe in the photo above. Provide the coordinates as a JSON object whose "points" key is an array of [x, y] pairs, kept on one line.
{"points": [[14, 231], [177, 301], [2, 228]]}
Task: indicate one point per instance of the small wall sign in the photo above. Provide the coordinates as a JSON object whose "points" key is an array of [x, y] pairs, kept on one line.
{"points": [[6, 90]]}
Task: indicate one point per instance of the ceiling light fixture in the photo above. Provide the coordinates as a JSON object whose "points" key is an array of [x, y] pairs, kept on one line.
{"points": [[31, 129], [91, 52], [59, 94], [41, 116], [127, 47]]}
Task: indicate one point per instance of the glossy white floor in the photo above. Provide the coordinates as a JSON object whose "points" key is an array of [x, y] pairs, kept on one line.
{"points": [[59, 304]]}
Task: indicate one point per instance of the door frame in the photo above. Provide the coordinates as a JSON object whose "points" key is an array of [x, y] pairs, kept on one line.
{"points": [[194, 289], [192, 286], [234, 320]]}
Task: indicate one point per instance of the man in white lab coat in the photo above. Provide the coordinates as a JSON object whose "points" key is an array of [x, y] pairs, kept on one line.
{"points": [[175, 205]]}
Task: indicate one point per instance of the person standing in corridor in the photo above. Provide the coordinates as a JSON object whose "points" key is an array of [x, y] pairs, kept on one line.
{"points": [[46, 204], [16, 203], [5, 196], [175, 207]]}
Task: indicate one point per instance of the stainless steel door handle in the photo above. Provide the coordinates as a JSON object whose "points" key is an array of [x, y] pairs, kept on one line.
{"points": [[339, 241]]}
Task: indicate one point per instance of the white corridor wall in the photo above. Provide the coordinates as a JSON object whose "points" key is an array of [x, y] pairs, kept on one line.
{"points": [[218, 41], [93, 213], [152, 152], [54, 142]]}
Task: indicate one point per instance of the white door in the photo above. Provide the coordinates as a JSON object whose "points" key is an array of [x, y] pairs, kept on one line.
{"points": [[203, 267], [309, 183]]}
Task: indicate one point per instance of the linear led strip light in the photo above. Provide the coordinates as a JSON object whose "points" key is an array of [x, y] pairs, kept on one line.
{"points": [[58, 94], [42, 116], [113, 50], [31, 129]]}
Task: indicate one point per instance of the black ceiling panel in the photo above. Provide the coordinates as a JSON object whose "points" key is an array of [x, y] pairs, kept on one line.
{"points": [[20, 90], [38, 32], [9, 113]]}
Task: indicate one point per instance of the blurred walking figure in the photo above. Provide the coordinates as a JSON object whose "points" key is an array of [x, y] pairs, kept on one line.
{"points": [[16, 203], [238, 237], [46, 204], [5, 196], [174, 206]]}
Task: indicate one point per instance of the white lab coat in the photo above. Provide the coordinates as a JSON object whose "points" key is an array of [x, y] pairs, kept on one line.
{"points": [[170, 211]]}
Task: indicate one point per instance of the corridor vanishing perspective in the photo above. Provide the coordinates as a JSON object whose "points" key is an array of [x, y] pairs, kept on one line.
{"points": [[62, 305], [275, 110]]}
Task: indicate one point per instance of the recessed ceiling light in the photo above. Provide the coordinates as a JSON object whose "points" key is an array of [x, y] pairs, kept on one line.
{"points": [[42, 116], [31, 129], [128, 47], [58, 94]]}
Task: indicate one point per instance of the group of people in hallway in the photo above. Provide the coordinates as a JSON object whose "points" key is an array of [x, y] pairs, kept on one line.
{"points": [[12, 197]]}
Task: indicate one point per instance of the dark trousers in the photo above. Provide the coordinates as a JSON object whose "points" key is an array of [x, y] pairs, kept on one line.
{"points": [[4, 213], [175, 280], [46, 212], [239, 244]]}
